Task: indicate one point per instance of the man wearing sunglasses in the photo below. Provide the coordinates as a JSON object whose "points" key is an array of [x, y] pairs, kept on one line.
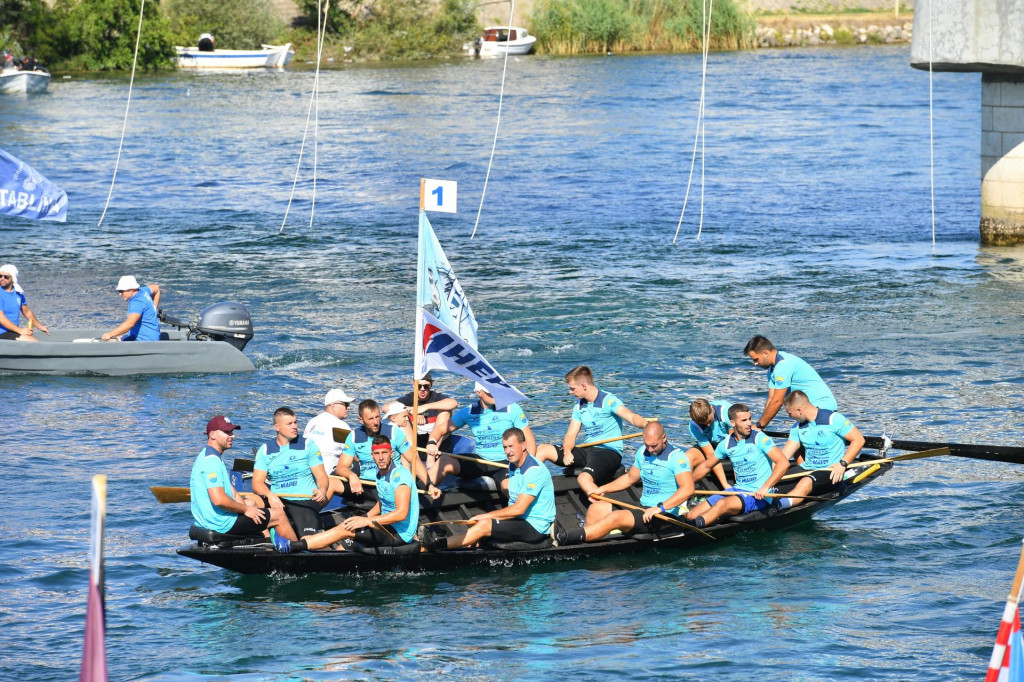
{"points": [[431, 404], [142, 323], [320, 429], [12, 305]]}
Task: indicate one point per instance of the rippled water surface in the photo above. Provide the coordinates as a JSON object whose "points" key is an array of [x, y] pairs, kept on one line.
{"points": [[816, 232]]}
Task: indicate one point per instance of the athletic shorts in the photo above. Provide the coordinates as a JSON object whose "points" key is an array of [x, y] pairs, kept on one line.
{"points": [[375, 537], [304, 515], [822, 481], [9, 336], [750, 503], [600, 463], [475, 470], [656, 525], [514, 530], [245, 526]]}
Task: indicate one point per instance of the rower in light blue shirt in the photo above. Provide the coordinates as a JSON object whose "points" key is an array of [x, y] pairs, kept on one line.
{"points": [[757, 463], [786, 372], [664, 472], [709, 426], [830, 444]]}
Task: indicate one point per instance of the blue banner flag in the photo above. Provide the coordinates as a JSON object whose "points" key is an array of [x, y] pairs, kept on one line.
{"points": [[27, 194]]}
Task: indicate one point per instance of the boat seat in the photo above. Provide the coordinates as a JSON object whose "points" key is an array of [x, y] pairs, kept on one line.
{"points": [[401, 550], [207, 537], [521, 546]]}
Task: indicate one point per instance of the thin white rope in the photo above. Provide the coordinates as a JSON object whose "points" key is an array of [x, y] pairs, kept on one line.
{"points": [[316, 94], [305, 134], [931, 122], [497, 125], [705, 33], [127, 105], [703, 119]]}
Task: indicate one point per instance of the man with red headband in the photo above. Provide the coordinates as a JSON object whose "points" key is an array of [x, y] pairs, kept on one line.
{"points": [[392, 521]]}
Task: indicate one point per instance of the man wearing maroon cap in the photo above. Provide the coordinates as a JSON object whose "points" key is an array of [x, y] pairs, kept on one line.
{"points": [[215, 504]]}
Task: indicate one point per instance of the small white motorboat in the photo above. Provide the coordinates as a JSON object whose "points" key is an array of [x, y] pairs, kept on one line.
{"points": [[269, 57], [499, 40], [19, 80]]}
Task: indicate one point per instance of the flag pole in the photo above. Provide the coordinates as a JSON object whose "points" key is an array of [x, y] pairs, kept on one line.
{"points": [[94, 653], [415, 379], [1000, 651]]}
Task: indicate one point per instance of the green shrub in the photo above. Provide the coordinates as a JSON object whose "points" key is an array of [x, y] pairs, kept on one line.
{"points": [[234, 24], [98, 35], [580, 26], [844, 36]]}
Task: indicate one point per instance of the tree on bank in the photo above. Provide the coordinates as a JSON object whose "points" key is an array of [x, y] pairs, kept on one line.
{"points": [[235, 24]]}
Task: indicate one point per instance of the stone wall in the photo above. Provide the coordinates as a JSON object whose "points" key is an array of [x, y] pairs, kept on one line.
{"points": [[842, 33]]}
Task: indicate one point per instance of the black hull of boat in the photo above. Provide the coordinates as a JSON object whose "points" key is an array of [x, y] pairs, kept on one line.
{"points": [[262, 559]]}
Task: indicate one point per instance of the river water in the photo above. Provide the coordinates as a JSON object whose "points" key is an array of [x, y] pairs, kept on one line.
{"points": [[816, 233]]}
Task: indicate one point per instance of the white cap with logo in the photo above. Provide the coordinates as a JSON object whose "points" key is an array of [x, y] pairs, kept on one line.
{"points": [[336, 395]]}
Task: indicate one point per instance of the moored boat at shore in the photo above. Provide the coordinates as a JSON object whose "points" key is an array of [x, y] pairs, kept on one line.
{"points": [[14, 80], [497, 41], [268, 56]]}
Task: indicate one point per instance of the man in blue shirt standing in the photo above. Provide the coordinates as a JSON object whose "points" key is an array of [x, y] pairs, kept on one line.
{"points": [[142, 323], [830, 444], [786, 372], [487, 424], [664, 471], [215, 504], [294, 468], [600, 416], [757, 463], [390, 523], [531, 503]]}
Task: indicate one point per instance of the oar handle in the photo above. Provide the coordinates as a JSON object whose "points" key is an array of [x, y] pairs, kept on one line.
{"points": [[610, 440], [456, 522], [663, 517], [780, 495], [365, 482], [467, 458]]}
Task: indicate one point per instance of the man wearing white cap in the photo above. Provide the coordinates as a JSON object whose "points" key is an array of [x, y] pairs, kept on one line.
{"points": [[12, 305], [142, 323], [321, 427]]}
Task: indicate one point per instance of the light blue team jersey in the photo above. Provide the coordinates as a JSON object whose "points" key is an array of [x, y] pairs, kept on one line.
{"points": [[792, 373], [386, 484], [488, 425], [719, 428], [289, 468], [208, 472], [599, 419], [358, 445], [10, 304], [750, 461], [822, 439], [148, 326], [533, 478], [658, 474]]}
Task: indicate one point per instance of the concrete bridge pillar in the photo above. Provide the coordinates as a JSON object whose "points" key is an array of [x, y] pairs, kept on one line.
{"points": [[985, 36]]}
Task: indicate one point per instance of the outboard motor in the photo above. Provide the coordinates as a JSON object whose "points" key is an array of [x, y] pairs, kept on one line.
{"points": [[228, 321]]}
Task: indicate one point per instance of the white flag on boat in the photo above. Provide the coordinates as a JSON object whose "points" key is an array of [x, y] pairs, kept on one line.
{"points": [[437, 288], [439, 347]]}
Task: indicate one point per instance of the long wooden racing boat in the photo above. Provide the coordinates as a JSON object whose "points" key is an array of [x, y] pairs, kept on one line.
{"points": [[257, 556]]}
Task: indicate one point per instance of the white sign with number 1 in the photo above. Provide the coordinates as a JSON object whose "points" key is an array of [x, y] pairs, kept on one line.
{"points": [[440, 195]]}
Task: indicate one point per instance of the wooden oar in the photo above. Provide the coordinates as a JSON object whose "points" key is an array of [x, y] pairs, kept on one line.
{"points": [[663, 517], [940, 452], [339, 434], [609, 440], [466, 458], [390, 534], [992, 453], [457, 522], [795, 497], [371, 483], [172, 495]]}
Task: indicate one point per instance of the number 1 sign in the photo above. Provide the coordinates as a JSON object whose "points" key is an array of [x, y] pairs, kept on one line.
{"points": [[438, 195]]}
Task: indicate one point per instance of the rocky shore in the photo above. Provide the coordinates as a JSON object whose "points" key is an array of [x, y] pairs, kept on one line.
{"points": [[793, 32]]}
